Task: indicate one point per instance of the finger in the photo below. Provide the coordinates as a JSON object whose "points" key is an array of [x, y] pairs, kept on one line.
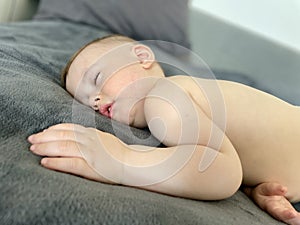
{"points": [[61, 130], [289, 214], [67, 126], [53, 135], [76, 166], [294, 220], [272, 188], [283, 214], [57, 148]]}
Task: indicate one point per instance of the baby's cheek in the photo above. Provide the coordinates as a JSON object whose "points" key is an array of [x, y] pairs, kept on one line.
{"points": [[109, 89]]}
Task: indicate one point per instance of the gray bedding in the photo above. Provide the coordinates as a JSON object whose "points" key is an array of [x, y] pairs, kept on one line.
{"points": [[31, 57]]}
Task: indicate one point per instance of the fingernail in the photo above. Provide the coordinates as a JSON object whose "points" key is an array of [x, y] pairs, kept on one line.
{"points": [[30, 138], [32, 147], [44, 161]]}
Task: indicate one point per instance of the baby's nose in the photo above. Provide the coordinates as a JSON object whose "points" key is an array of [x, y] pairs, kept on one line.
{"points": [[95, 102]]}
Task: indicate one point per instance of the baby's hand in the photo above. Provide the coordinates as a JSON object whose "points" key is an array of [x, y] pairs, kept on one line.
{"points": [[271, 198], [63, 145]]}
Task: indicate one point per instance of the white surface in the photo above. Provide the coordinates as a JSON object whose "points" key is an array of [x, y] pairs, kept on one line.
{"points": [[275, 19], [14, 10], [5, 10]]}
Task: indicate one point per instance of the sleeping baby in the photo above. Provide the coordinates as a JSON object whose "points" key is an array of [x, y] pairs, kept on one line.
{"points": [[218, 136]]}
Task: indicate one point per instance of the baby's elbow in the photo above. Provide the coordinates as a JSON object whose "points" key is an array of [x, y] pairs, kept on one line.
{"points": [[231, 172], [225, 179], [231, 179], [226, 188], [233, 184]]}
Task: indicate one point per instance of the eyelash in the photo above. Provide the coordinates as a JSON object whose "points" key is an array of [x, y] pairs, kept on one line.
{"points": [[96, 77]]}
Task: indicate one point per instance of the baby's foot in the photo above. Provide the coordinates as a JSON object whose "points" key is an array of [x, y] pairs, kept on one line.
{"points": [[271, 198]]}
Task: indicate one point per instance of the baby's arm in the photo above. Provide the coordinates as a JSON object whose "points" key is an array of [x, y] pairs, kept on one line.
{"points": [[173, 119], [66, 146]]}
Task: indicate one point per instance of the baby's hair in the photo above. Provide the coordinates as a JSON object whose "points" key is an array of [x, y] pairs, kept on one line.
{"points": [[113, 39]]}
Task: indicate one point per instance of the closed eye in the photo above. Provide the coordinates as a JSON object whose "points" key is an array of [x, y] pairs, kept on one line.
{"points": [[96, 78]]}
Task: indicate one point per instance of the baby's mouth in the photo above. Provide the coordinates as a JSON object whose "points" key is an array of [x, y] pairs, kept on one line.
{"points": [[106, 110]]}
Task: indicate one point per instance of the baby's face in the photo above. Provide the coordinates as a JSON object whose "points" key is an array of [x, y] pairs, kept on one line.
{"points": [[111, 80]]}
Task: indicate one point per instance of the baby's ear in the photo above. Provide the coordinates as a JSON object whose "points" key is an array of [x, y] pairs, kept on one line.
{"points": [[144, 55]]}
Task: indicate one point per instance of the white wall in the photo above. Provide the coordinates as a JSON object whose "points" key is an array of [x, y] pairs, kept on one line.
{"points": [[275, 19]]}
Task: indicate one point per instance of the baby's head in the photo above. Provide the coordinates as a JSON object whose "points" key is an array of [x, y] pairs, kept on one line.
{"points": [[112, 75]]}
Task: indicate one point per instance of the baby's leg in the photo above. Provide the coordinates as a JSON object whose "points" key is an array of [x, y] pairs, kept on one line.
{"points": [[271, 198]]}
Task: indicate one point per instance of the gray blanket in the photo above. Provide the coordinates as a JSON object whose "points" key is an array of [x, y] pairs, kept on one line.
{"points": [[31, 57]]}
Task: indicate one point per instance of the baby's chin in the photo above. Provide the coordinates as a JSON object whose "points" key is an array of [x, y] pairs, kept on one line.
{"points": [[135, 121], [132, 121], [133, 116], [140, 125]]}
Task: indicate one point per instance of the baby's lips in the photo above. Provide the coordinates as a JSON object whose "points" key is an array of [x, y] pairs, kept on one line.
{"points": [[106, 110], [110, 113]]}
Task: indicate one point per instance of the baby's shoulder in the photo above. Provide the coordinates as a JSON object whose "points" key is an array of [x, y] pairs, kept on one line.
{"points": [[168, 91], [164, 108], [181, 80], [168, 84]]}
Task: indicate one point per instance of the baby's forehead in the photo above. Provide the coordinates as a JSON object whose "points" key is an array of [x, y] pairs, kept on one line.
{"points": [[97, 49], [103, 48], [94, 49], [89, 54]]}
